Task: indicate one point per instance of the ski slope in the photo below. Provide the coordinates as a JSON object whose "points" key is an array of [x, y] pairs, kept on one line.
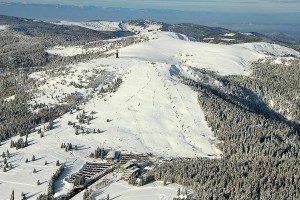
{"points": [[151, 112]]}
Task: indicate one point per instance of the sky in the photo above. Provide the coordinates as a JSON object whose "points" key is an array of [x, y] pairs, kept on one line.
{"points": [[264, 16], [283, 6]]}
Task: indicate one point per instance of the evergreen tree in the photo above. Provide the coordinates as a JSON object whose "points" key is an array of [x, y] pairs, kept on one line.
{"points": [[7, 153], [12, 196], [178, 192], [12, 144], [23, 196]]}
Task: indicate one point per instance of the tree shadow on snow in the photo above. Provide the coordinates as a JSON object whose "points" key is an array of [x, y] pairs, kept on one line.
{"points": [[82, 147], [39, 158], [32, 195]]}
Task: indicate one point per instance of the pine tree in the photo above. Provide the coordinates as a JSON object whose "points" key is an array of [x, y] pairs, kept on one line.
{"points": [[5, 161], [12, 144], [12, 196], [86, 194], [34, 170], [26, 142], [38, 182], [33, 158], [57, 163], [107, 197], [23, 196], [26, 160], [178, 192], [165, 182]]}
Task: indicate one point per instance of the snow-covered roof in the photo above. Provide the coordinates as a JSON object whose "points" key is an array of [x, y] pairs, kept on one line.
{"points": [[111, 154]]}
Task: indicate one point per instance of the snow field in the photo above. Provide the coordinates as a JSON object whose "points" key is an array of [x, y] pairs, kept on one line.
{"points": [[150, 112]]}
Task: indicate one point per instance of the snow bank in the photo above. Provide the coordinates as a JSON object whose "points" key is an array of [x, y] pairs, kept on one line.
{"points": [[3, 27], [229, 34], [227, 39]]}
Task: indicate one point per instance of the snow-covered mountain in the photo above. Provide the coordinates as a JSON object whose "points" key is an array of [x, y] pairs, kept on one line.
{"points": [[149, 111]]}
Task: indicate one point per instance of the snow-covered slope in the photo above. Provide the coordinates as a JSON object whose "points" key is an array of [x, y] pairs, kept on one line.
{"points": [[150, 112], [267, 48], [94, 25], [145, 27], [224, 59], [3, 27]]}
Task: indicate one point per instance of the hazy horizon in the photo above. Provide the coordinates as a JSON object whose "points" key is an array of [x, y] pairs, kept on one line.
{"points": [[262, 20]]}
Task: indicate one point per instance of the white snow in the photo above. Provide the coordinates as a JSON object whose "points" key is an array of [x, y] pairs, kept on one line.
{"points": [[119, 189], [74, 50], [94, 25], [229, 34], [227, 39], [3, 27], [150, 26], [66, 51], [10, 98], [274, 49], [21, 177], [208, 38], [153, 191], [248, 34], [150, 112]]}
